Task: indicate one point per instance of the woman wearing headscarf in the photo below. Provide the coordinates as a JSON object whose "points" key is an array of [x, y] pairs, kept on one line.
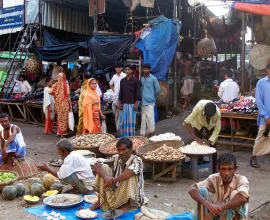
{"points": [[60, 91], [91, 108]]}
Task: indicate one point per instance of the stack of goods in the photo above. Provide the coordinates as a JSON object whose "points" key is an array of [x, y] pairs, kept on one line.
{"points": [[196, 149], [15, 98], [164, 153], [111, 147], [90, 140], [165, 137], [36, 98], [247, 106]]}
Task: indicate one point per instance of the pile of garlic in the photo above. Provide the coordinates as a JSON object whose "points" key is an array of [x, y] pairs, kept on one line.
{"points": [[90, 140], [195, 148], [87, 213], [164, 153], [165, 137], [53, 216]]}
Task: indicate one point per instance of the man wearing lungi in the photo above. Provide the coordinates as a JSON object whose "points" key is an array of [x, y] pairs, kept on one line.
{"points": [[224, 195], [262, 142], [12, 142], [150, 91], [129, 97]]}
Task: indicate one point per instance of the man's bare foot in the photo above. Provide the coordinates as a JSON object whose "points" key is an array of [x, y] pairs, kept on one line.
{"points": [[127, 207], [95, 206]]}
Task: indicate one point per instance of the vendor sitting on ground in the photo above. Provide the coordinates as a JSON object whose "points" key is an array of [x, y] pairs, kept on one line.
{"points": [[123, 185], [12, 142], [224, 195], [75, 169]]}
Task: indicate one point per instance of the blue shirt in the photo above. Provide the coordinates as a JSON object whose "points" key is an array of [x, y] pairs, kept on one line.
{"points": [[150, 90], [263, 100]]}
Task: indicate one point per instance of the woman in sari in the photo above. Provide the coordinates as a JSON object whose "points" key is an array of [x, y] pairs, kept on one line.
{"points": [[91, 108], [60, 91], [48, 107]]}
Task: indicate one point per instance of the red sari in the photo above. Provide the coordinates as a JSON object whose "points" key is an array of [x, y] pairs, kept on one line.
{"points": [[60, 91]]}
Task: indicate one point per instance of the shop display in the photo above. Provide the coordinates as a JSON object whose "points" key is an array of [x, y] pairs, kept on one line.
{"points": [[247, 106], [90, 140], [195, 148], [165, 137], [164, 153], [86, 214]]}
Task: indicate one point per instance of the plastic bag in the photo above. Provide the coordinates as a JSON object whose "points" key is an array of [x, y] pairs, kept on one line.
{"points": [[71, 121], [104, 126], [108, 96]]}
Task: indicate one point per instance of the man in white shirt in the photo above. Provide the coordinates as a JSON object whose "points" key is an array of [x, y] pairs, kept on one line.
{"points": [[228, 90], [75, 170], [24, 85], [115, 87]]}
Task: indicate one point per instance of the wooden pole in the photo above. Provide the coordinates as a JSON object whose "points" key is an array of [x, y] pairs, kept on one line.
{"points": [[175, 66], [243, 53], [95, 15]]}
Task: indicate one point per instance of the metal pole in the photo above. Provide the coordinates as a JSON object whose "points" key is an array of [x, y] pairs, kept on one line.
{"points": [[95, 15], [175, 66], [195, 33], [243, 53]]}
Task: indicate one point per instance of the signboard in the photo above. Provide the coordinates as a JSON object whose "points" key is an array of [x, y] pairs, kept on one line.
{"points": [[11, 17], [100, 7]]}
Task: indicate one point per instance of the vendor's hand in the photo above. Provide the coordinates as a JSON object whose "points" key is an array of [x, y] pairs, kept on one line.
{"points": [[103, 117], [207, 142], [135, 107], [198, 140], [215, 210], [268, 121], [43, 167], [121, 106], [108, 182]]}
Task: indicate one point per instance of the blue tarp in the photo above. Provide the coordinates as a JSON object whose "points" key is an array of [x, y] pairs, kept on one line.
{"points": [[159, 44]]}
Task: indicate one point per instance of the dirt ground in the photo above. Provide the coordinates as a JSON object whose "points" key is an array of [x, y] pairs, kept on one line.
{"points": [[170, 197]]}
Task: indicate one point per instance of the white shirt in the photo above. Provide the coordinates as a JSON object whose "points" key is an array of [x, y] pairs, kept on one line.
{"points": [[76, 163], [228, 90], [25, 86], [115, 82], [99, 91]]}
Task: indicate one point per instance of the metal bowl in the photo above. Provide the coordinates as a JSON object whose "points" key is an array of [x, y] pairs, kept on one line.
{"points": [[48, 200]]}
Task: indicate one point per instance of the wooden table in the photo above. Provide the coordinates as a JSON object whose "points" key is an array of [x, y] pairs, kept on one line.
{"points": [[164, 172], [30, 117], [19, 105], [232, 136]]}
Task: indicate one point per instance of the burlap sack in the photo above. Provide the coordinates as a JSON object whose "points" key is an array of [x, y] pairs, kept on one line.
{"points": [[206, 47], [259, 55]]}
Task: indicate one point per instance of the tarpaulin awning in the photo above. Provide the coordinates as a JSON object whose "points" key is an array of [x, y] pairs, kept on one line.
{"points": [[158, 45], [57, 50], [107, 49], [254, 7]]}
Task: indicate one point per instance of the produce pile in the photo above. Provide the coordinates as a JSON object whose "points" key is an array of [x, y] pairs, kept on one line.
{"points": [[90, 140], [195, 148], [53, 216], [165, 137], [7, 176], [165, 153], [87, 213], [247, 106], [111, 148], [63, 200]]}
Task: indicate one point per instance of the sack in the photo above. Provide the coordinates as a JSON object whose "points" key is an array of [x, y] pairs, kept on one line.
{"points": [[71, 121], [104, 126]]}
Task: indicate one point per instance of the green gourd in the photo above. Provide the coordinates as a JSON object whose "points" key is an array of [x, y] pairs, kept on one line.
{"points": [[9, 193]]}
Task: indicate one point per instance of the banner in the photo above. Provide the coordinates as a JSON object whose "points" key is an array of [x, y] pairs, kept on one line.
{"points": [[11, 17]]}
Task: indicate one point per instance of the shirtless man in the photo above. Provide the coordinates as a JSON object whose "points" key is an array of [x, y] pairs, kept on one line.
{"points": [[12, 142]]}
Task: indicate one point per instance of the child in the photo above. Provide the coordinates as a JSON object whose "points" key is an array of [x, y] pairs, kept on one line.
{"points": [[48, 107]]}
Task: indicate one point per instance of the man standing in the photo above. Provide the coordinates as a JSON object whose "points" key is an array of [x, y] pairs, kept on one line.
{"points": [[150, 90], [228, 90], [12, 142], [129, 97], [224, 194], [205, 117], [262, 142], [115, 87]]}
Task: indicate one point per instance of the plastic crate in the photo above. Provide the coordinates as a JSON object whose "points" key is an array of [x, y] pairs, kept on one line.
{"points": [[195, 167]]}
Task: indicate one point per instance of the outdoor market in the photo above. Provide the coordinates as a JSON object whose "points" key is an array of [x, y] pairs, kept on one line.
{"points": [[131, 109]]}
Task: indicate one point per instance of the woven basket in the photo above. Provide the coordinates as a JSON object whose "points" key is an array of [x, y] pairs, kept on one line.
{"points": [[103, 148], [92, 149], [206, 47], [2, 185], [33, 65], [259, 55], [155, 145]]}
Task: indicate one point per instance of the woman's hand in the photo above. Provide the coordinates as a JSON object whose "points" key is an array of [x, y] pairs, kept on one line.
{"points": [[108, 182], [103, 117]]}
